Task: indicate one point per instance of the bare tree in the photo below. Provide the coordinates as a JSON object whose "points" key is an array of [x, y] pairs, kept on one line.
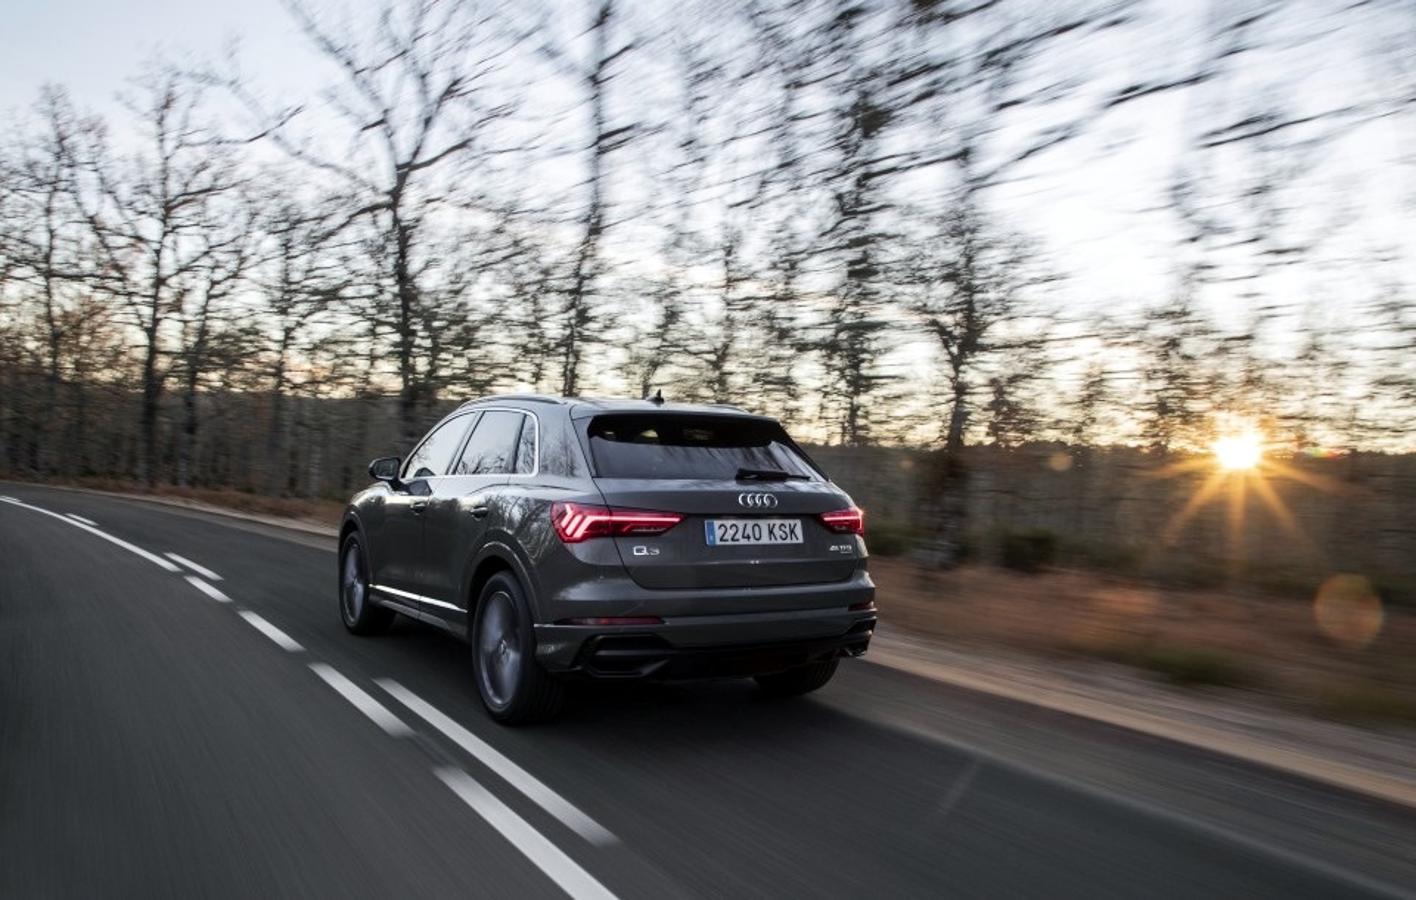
{"points": [[578, 314], [966, 290], [153, 225], [418, 101], [47, 252], [230, 246], [1174, 342]]}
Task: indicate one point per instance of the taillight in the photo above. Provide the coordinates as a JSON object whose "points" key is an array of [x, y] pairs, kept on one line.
{"points": [[576, 522], [844, 521]]}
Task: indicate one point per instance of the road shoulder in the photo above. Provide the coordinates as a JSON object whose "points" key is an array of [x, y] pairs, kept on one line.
{"points": [[1377, 764]]}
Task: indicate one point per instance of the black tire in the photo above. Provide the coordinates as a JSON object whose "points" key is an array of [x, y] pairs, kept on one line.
{"points": [[513, 686], [358, 612], [798, 681]]}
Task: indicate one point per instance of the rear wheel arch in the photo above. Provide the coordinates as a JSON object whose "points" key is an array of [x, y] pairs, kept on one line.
{"points": [[492, 559]]}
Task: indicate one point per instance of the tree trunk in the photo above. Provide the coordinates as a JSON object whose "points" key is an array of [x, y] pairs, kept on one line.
{"points": [[275, 436], [152, 397], [409, 392]]}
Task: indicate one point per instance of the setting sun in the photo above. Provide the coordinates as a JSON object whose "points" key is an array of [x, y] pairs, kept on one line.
{"points": [[1238, 451]]}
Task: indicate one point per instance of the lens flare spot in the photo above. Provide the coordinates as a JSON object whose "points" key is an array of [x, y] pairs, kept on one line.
{"points": [[1349, 611]]}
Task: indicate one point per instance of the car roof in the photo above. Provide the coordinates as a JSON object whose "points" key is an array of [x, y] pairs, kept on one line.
{"points": [[581, 407]]}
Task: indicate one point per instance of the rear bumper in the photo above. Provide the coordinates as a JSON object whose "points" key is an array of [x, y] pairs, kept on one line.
{"points": [[706, 646]]}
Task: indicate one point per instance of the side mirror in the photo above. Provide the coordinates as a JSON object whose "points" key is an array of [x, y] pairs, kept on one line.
{"points": [[385, 468]]}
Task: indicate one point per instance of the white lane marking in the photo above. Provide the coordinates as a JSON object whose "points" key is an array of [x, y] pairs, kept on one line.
{"points": [[200, 570], [78, 518], [131, 548], [546, 856], [489, 756], [285, 641], [957, 789], [207, 589], [10, 499], [362, 701]]}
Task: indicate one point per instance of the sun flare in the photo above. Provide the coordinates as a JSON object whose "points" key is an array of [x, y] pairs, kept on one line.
{"points": [[1238, 451]]}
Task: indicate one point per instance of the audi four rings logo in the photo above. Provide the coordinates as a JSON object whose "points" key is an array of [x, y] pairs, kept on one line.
{"points": [[757, 501]]}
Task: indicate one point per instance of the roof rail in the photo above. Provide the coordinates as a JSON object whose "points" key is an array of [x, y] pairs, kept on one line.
{"points": [[532, 398]]}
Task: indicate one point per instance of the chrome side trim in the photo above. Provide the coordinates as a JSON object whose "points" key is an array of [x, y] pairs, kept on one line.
{"points": [[396, 592], [431, 602], [419, 598]]}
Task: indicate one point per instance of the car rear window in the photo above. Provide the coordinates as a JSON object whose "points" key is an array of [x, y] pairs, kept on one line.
{"points": [[668, 445]]}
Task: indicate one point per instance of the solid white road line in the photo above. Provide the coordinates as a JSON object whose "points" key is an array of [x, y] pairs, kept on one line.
{"points": [[285, 641], [207, 589], [362, 701], [493, 759], [131, 548], [200, 570], [78, 518], [546, 856]]}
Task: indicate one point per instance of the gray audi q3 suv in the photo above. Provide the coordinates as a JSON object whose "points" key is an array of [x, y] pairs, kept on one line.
{"points": [[611, 539]]}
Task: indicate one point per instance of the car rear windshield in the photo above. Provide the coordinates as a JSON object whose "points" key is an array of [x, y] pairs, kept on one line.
{"points": [[671, 445]]}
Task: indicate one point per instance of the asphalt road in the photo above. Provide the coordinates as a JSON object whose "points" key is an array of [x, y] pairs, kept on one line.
{"points": [[165, 733]]}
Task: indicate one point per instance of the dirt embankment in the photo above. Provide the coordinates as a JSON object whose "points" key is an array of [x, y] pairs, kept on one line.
{"points": [[1340, 653]]}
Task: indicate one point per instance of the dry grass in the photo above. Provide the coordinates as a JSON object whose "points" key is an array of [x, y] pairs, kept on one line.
{"points": [[1275, 645]]}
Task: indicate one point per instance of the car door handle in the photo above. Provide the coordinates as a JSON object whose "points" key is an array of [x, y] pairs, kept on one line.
{"points": [[480, 512], [418, 506]]}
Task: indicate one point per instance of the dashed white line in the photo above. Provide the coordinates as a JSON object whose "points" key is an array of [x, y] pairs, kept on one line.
{"points": [[210, 590], [957, 789], [283, 640], [362, 701], [131, 548], [546, 856], [489, 756], [206, 573], [79, 518], [10, 499]]}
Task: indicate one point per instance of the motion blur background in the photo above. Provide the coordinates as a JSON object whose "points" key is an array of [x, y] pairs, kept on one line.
{"points": [[1102, 310]]}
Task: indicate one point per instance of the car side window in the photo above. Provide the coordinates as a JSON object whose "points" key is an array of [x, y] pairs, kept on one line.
{"points": [[435, 453], [526, 448], [492, 448]]}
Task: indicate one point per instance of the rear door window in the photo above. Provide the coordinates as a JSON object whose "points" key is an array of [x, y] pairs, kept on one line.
{"points": [[667, 445], [492, 448], [526, 448]]}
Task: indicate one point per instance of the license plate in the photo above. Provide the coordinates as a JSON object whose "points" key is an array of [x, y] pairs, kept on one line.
{"points": [[752, 531]]}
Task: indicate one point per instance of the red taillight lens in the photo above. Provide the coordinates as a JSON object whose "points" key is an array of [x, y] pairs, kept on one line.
{"points": [[576, 522], [844, 521]]}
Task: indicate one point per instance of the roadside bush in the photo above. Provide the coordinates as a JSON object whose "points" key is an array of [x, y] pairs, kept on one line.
{"points": [[1028, 551], [891, 538], [1194, 667], [1103, 557], [1194, 572], [1366, 702], [1396, 590]]}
